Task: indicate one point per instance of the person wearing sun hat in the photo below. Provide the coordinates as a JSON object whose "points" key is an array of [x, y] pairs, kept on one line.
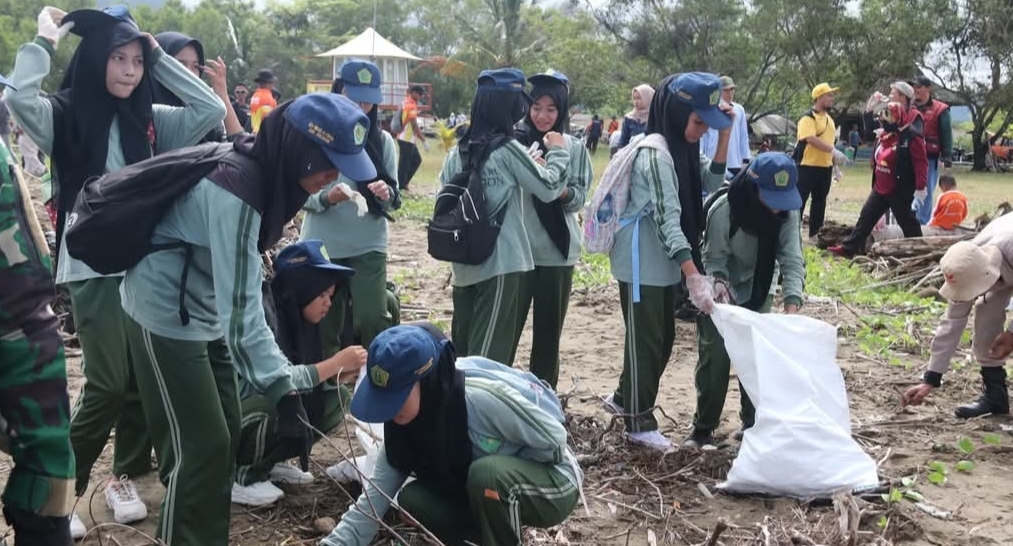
{"points": [[355, 240], [102, 119], [299, 298], [39, 494], [751, 226], [186, 360], [553, 228], [486, 459], [487, 296], [978, 275], [817, 133], [738, 144], [660, 247]]}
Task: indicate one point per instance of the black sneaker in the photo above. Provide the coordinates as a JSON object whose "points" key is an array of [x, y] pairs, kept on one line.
{"points": [[739, 434], [700, 439]]}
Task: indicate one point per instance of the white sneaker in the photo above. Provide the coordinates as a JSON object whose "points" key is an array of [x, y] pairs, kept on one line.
{"points": [[77, 528], [121, 497], [344, 472], [288, 474], [608, 403], [258, 494], [652, 439]]}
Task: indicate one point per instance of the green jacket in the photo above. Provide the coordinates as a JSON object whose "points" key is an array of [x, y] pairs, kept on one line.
{"points": [[501, 421], [578, 182], [176, 127], [510, 177], [344, 233], [734, 258], [663, 246]]}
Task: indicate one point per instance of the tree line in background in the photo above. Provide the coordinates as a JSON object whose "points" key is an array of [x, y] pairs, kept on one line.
{"points": [[776, 50]]}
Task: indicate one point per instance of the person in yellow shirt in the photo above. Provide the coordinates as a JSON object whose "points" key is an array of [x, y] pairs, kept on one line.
{"points": [[263, 100], [951, 209], [817, 134]]}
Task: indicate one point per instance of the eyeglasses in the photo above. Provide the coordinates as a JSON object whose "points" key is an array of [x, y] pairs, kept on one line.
{"points": [[240, 91]]}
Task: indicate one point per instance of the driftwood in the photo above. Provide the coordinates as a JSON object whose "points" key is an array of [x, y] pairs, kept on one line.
{"points": [[916, 246]]}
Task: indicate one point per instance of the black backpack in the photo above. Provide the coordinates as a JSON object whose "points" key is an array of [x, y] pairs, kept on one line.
{"points": [[115, 215], [461, 230]]}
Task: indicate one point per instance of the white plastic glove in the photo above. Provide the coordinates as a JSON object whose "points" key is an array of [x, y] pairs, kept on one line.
{"points": [[50, 27], [839, 157], [355, 197], [921, 196], [701, 293], [425, 144], [723, 292]]}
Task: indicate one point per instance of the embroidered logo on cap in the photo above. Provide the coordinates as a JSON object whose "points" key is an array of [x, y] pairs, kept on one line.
{"points": [[715, 97], [425, 367], [379, 376], [297, 260], [323, 252], [320, 133], [781, 179], [365, 76], [359, 134]]}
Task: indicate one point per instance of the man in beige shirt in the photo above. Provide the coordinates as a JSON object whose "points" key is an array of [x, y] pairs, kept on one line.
{"points": [[978, 274]]}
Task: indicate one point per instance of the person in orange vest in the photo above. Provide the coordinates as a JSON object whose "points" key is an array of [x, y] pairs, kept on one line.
{"points": [[263, 100], [951, 209], [938, 133]]}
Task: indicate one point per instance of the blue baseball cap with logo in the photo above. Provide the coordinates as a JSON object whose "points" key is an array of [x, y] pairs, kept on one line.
{"points": [[87, 21], [702, 91], [550, 76], [362, 81], [776, 177], [398, 358], [308, 253], [339, 126], [6, 83]]}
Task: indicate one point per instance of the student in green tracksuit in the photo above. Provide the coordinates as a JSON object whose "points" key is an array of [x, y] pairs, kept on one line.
{"points": [[749, 230], [101, 120], [553, 228], [186, 370], [487, 296], [39, 494], [351, 240], [300, 296], [661, 239], [486, 458]]}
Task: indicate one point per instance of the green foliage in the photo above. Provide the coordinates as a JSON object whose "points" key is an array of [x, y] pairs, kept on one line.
{"points": [[415, 207], [592, 271], [992, 439], [965, 466], [937, 473], [966, 446]]}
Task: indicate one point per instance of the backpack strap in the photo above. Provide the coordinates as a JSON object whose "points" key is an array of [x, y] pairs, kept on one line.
{"points": [[655, 142]]}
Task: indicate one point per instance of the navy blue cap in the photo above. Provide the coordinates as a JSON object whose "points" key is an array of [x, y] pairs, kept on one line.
{"points": [[398, 358], [338, 125], [308, 253], [5, 82], [550, 76], [362, 81], [88, 20], [776, 176], [702, 91], [502, 79]]}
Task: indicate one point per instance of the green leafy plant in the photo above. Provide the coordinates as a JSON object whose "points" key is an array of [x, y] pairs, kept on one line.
{"points": [[937, 473], [966, 446], [992, 439], [965, 466]]}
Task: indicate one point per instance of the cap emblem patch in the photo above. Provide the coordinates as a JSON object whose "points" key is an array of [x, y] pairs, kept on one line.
{"points": [[359, 134], [781, 179], [715, 96], [365, 76], [320, 133], [379, 376]]}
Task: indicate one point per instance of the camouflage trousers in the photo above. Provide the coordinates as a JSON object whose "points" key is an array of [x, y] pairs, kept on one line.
{"points": [[33, 374]]}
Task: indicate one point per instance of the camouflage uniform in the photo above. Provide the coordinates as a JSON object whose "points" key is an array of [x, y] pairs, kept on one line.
{"points": [[33, 376]]}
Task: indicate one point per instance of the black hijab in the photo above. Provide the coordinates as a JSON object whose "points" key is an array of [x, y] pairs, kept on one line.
{"points": [[84, 110], [435, 446], [751, 215], [374, 149], [172, 43], [285, 157], [494, 113], [294, 289], [551, 215], [669, 117]]}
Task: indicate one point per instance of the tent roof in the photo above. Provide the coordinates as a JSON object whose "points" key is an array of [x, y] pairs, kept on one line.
{"points": [[370, 45], [773, 124]]}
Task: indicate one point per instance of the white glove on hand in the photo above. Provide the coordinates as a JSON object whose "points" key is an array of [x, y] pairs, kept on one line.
{"points": [[49, 27], [425, 144], [701, 293], [723, 292], [921, 196], [839, 157]]}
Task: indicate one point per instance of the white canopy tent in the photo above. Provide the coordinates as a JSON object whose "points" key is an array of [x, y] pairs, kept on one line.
{"points": [[389, 58]]}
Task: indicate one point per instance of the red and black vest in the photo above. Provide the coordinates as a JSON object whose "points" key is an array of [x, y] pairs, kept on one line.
{"points": [[930, 116]]}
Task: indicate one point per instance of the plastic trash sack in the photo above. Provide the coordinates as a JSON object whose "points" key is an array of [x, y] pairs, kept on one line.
{"points": [[800, 445]]}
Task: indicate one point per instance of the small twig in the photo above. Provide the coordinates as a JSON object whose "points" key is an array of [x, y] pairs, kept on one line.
{"points": [[147, 537], [628, 507], [719, 528], [661, 499], [765, 531]]}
